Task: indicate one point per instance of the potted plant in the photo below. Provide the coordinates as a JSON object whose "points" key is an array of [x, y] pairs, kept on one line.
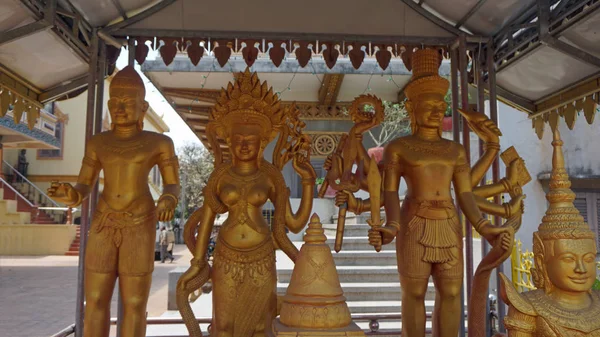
{"points": [[329, 193]]}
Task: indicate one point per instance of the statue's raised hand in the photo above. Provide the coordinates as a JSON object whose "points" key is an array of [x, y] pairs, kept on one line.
{"points": [[301, 164], [63, 192], [484, 127]]}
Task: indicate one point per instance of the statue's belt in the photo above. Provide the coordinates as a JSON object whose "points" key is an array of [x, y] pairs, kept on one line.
{"points": [[432, 209], [116, 221], [255, 263], [439, 224]]}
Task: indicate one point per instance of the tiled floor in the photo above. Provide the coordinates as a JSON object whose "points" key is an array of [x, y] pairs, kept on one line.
{"points": [[38, 294]]}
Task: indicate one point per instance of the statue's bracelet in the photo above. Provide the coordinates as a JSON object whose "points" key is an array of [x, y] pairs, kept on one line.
{"points": [[168, 195], [308, 181], [482, 222], [394, 224], [507, 185], [490, 145], [78, 201], [198, 262]]}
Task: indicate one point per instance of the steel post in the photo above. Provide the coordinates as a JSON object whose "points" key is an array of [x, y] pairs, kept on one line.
{"points": [[495, 170], [85, 207], [466, 140]]}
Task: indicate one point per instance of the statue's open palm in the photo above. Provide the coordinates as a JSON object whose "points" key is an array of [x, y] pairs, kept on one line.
{"points": [[63, 192]]}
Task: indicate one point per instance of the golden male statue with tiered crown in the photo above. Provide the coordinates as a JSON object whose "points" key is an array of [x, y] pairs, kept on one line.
{"points": [[564, 247], [426, 228], [247, 116], [122, 232], [314, 304]]}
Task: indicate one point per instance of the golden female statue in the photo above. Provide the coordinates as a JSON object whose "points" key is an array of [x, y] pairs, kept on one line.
{"points": [[564, 247], [426, 227], [123, 231], [247, 116]]}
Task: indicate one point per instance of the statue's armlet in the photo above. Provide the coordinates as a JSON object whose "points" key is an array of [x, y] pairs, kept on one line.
{"points": [[511, 296]]}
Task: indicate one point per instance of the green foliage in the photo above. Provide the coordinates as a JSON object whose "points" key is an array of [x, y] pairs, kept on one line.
{"points": [[396, 123], [596, 285], [448, 99], [196, 165]]}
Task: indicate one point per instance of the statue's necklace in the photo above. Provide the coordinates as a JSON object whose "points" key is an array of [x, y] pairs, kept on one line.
{"points": [[124, 146]]}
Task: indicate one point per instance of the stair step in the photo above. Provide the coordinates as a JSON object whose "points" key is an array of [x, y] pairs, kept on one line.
{"points": [[72, 253], [350, 229], [359, 243]]}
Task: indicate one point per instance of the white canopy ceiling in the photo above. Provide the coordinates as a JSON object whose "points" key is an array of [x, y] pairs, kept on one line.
{"points": [[532, 66]]}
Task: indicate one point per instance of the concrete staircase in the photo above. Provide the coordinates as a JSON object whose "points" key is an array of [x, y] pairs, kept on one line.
{"points": [[36, 216], [9, 211], [74, 248]]}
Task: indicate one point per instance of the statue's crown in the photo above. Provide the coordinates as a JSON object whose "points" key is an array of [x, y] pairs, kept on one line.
{"points": [[426, 79], [128, 78], [562, 219], [248, 101]]}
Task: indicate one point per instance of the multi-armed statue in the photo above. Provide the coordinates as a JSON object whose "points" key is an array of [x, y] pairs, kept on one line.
{"points": [[248, 116], [122, 235], [426, 228], [564, 248]]}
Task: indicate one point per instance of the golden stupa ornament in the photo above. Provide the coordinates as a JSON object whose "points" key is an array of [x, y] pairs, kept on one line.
{"points": [[314, 304], [565, 269]]}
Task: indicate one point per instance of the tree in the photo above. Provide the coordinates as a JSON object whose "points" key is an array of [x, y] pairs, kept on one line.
{"points": [[196, 165], [396, 123]]}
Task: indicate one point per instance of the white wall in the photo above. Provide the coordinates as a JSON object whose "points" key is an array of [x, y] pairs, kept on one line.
{"points": [[581, 150]]}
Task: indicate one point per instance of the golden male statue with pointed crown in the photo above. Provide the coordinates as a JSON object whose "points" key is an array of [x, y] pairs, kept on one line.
{"points": [[247, 116], [426, 227], [564, 247]]}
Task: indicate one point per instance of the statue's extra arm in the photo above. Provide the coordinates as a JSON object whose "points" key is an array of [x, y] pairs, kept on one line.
{"points": [[464, 192], [488, 207], [295, 222], [483, 164], [491, 190], [207, 221], [88, 174], [169, 168], [391, 184]]}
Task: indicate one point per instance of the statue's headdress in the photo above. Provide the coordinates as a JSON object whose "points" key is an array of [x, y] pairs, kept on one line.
{"points": [[562, 219], [426, 79], [248, 101], [128, 78]]}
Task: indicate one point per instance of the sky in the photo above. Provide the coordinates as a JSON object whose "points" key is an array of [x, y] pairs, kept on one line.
{"points": [[179, 131]]}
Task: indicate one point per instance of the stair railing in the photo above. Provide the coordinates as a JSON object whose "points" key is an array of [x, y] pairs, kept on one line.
{"points": [[17, 193], [40, 199]]}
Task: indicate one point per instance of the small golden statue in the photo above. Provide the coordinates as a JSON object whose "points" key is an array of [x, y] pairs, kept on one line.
{"points": [[426, 228], [314, 304], [122, 234], [248, 116], [564, 304]]}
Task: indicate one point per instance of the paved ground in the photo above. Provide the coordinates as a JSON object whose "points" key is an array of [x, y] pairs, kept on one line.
{"points": [[37, 294]]}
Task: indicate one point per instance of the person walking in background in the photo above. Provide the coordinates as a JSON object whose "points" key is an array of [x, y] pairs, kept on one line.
{"points": [[170, 241], [164, 244]]}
